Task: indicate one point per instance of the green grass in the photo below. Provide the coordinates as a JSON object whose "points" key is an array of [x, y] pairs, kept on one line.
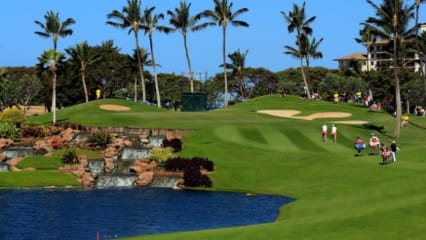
{"points": [[35, 179], [40, 163], [338, 196]]}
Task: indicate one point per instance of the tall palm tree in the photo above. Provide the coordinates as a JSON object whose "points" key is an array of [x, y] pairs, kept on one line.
{"points": [[391, 22], [368, 39], [311, 51], [145, 61], [83, 55], [130, 17], [149, 23], [222, 15], [53, 28], [422, 63], [181, 21], [297, 21], [237, 66], [51, 58]]}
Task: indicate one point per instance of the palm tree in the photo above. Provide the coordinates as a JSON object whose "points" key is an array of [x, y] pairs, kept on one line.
{"points": [[83, 55], [51, 58], [297, 22], [130, 17], [391, 22], [222, 15], [311, 51], [145, 61], [368, 39], [149, 23], [422, 63], [54, 28], [237, 66], [181, 20]]}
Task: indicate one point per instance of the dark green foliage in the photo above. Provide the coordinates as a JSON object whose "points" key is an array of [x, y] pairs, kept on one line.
{"points": [[174, 143], [181, 164], [70, 156], [191, 170], [193, 178], [30, 131], [100, 139]]}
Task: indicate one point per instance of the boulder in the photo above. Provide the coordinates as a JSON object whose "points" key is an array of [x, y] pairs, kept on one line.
{"points": [[144, 179]]}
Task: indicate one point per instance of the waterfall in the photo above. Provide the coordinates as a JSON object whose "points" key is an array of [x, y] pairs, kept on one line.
{"points": [[4, 167], [14, 152], [164, 181], [115, 181], [81, 138], [156, 141], [97, 166], [132, 153]]}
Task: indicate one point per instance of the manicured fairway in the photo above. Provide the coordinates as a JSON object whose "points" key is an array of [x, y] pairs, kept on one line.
{"points": [[338, 196]]}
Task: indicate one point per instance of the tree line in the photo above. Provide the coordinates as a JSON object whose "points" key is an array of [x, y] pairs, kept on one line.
{"points": [[73, 76]]}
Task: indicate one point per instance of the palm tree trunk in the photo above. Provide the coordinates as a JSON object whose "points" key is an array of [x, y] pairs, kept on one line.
{"points": [[301, 67], [83, 80], [397, 90], [138, 55], [422, 74], [189, 63], [157, 90], [135, 83], [54, 96], [225, 77]]}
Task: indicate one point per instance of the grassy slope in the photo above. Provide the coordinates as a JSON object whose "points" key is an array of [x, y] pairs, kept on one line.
{"points": [[338, 196]]}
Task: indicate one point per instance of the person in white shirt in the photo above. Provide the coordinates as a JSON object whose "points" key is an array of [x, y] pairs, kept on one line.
{"points": [[324, 132], [334, 133]]}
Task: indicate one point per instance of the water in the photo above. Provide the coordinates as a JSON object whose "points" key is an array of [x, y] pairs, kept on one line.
{"points": [[164, 181], [115, 181], [80, 214], [4, 167], [96, 166], [14, 152], [132, 153]]}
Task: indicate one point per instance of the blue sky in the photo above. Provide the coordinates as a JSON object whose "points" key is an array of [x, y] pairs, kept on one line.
{"points": [[338, 22]]}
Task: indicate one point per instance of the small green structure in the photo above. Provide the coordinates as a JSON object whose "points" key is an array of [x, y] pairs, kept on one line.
{"points": [[193, 102]]}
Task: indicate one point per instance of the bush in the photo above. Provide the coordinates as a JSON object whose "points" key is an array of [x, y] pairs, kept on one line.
{"points": [[161, 155], [192, 177], [99, 139], [12, 115], [8, 130], [191, 170], [70, 156], [30, 131], [174, 143]]}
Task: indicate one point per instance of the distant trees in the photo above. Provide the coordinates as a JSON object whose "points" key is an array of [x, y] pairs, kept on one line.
{"points": [[82, 55]]}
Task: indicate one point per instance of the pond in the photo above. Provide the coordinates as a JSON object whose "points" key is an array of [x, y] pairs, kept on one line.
{"points": [[111, 213]]}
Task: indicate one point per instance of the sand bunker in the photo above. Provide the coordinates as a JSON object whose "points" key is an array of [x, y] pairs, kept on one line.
{"points": [[112, 107], [292, 113]]}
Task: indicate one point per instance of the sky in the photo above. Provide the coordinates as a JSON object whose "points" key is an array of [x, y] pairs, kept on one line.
{"points": [[337, 22]]}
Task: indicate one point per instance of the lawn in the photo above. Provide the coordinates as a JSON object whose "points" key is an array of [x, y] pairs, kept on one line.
{"points": [[338, 195]]}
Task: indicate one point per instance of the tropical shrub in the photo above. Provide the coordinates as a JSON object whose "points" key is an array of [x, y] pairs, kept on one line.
{"points": [[191, 170], [8, 130], [12, 115], [192, 177], [161, 155], [32, 131], [100, 139], [174, 143], [70, 156]]}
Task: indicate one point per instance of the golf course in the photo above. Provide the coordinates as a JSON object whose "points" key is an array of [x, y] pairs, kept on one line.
{"points": [[272, 145]]}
